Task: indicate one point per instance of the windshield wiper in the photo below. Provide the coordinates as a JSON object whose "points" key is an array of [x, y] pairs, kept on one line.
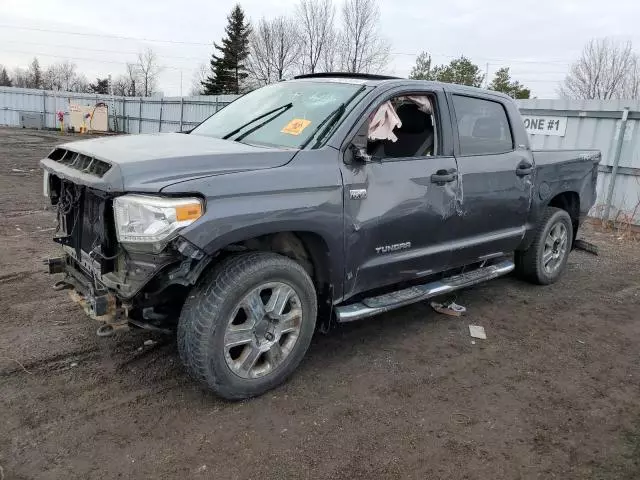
{"points": [[331, 120], [284, 108]]}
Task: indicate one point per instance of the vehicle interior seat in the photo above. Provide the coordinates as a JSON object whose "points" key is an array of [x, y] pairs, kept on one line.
{"points": [[415, 136]]}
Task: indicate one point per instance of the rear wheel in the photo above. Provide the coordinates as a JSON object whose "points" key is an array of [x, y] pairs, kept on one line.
{"points": [[247, 324], [545, 260]]}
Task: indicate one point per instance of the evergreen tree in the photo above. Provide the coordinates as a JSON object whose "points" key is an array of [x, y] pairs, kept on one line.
{"points": [[422, 69], [502, 83], [461, 71], [5, 80], [101, 86], [34, 74], [228, 69]]}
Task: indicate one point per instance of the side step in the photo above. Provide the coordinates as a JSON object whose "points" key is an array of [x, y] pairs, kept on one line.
{"points": [[389, 301]]}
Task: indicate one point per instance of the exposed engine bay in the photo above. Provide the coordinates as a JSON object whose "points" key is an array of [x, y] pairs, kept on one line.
{"points": [[118, 286]]}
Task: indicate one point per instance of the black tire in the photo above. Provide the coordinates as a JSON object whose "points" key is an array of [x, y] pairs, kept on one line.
{"points": [[530, 264], [210, 305]]}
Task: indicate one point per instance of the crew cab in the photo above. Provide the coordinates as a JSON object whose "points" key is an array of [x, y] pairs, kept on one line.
{"points": [[311, 202]]}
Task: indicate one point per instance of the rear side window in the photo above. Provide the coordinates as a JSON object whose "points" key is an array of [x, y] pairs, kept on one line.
{"points": [[482, 125]]}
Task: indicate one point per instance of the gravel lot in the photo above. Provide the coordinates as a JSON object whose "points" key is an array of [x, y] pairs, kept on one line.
{"points": [[554, 392]]}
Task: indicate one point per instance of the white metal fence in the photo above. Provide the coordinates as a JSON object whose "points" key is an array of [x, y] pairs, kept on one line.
{"points": [[551, 123], [21, 106], [595, 124]]}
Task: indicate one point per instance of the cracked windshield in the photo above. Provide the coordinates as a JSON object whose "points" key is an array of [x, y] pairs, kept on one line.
{"points": [[284, 114]]}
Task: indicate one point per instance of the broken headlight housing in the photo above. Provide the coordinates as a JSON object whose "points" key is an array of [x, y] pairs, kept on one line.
{"points": [[145, 220]]}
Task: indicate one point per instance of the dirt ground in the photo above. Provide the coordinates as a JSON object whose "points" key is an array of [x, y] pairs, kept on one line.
{"points": [[553, 393]]}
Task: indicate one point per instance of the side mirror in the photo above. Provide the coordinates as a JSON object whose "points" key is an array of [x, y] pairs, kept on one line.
{"points": [[360, 154]]}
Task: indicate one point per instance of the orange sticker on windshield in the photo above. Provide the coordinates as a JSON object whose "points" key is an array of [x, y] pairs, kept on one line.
{"points": [[296, 126]]}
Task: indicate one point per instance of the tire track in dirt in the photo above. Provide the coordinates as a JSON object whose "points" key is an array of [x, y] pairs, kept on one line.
{"points": [[8, 278]]}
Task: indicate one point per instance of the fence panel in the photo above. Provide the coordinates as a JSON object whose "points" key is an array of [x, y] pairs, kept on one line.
{"points": [[596, 124]]}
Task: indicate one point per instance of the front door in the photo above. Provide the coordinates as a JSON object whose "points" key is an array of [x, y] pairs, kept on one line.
{"points": [[399, 204]]}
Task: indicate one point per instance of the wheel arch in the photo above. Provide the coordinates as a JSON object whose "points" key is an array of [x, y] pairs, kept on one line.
{"points": [[568, 201], [309, 248]]}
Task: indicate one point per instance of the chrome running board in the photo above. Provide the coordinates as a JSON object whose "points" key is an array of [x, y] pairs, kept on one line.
{"points": [[390, 301]]}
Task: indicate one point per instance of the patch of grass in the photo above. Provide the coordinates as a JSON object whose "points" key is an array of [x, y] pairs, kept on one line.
{"points": [[626, 464]]}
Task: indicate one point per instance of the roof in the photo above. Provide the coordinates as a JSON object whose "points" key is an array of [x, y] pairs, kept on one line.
{"points": [[363, 76], [375, 80]]}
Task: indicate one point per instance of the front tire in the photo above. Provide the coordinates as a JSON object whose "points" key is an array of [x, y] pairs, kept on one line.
{"points": [[545, 260], [247, 324]]}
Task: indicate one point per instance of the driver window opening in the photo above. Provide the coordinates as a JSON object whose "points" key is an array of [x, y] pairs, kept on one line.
{"points": [[402, 127]]}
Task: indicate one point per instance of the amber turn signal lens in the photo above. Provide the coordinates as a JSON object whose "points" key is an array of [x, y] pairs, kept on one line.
{"points": [[188, 212]]}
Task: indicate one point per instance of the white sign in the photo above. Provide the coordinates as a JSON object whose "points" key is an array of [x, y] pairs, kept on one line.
{"points": [[535, 125]]}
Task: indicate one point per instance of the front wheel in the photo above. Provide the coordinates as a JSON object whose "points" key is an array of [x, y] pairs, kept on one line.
{"points": [[247, 324], [545, 260]]}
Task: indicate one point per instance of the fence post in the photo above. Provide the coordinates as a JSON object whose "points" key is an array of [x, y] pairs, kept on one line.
{"points": [[140, 117], [181, 111], [216, 104], [160, 119], [616, 162], [44, 109], [125, 128]]}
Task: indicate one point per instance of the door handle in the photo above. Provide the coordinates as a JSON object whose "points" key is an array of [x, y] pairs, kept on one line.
{"points": [[444, 176], [524, 168]]}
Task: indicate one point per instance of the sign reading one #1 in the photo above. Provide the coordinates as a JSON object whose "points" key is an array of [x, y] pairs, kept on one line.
{"points": [[545, 125]]}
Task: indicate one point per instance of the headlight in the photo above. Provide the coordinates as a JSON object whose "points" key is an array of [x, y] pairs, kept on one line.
{"points": [[153, 220]]}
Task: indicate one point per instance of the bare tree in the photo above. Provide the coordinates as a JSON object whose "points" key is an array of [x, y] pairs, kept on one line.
{"points": [[604, 70], [315, 20], [365, 49], [133, 80], [63, 76], [148, 70], [274, 48], [121, 86], [631, 88], [20, 78], [334, 52], [199, 76]]}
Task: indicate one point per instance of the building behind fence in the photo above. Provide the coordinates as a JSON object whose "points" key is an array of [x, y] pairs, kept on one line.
{"points": [[551, 123]]}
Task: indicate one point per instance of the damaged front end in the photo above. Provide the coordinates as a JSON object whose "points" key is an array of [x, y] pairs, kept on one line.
{"points": [[123, 260]]}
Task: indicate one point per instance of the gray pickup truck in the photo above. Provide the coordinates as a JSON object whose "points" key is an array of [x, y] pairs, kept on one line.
{"points": [[325, 199]]}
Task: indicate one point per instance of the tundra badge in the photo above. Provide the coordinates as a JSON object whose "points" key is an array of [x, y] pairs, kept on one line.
{"points": [[358, 194], [393, 248]]}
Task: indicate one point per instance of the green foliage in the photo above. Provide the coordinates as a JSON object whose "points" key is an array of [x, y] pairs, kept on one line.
{"points": [[228, 70], [502, 83], [422, 69], [101, 86], [460, 70], [34, 75], [5, 80]]}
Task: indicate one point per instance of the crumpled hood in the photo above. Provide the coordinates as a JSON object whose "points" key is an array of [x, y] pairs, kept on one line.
{"points": [[152, 162]]}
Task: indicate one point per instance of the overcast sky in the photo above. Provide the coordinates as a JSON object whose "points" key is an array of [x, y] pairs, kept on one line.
{"points": [[537, 39]]}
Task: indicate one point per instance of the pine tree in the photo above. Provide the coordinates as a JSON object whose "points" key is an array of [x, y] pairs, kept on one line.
{"points": [[502, 83], [461, 71], [101, 86], [228, 70], [35, 74], [5, 80], [422, 69]]}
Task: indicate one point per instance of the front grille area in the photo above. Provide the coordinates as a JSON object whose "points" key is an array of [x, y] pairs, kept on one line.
{"points": [[79, 161], [86, 223]]}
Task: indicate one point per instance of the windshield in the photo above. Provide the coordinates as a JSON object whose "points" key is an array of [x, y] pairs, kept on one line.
{"points": [[285, 114]]}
